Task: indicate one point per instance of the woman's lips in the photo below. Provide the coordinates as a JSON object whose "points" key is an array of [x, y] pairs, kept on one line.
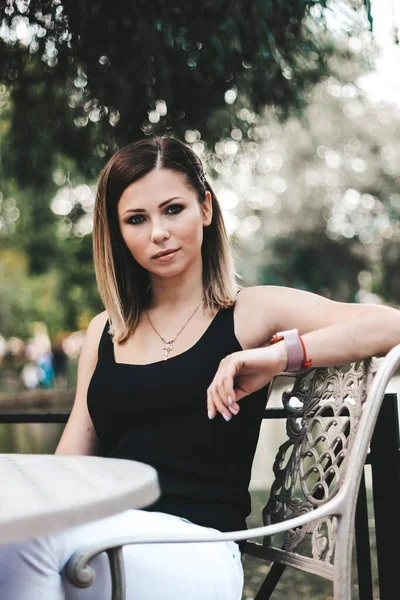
{"points": [[167, 257]]}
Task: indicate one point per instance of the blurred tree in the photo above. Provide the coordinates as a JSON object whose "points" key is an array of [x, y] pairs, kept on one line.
{"points": [[25, 298], [314, 262], [85, 77], [79, 295], [389, 282], [81, 80], [314, 200]]}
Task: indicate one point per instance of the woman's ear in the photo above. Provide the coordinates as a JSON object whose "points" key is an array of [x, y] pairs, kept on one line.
{"points": [[206, 208]]}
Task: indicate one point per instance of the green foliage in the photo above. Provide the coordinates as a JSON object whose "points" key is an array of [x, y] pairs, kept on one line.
{"points": [[89, 77], [314, 262], [317, 196], [25, 299], [79, 295], [389, 284]]}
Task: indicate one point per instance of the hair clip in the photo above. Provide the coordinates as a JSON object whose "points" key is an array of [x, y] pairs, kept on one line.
{"points": [[202, 177]]}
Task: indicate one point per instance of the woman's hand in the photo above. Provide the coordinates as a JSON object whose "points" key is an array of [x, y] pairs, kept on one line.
{"points": [[242, 373]]}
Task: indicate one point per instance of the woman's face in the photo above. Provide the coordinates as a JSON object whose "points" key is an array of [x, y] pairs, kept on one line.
{"points": [[159, 213]]}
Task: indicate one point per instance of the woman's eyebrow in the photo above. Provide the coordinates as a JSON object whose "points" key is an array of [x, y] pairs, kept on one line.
{"points": [[138, 210]]}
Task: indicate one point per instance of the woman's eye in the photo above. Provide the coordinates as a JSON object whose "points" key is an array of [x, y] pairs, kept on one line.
{"points": [[175, 209], [135, 220], [172, 209]]}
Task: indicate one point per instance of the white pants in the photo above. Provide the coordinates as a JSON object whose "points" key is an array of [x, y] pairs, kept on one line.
{"points": [[33, 570]]}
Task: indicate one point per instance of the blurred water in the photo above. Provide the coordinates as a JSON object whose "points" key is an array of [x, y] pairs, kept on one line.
{"points": [[30, 438]]}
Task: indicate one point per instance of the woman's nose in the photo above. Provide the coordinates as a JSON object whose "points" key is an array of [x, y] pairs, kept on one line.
{"points": [[159, 233]]}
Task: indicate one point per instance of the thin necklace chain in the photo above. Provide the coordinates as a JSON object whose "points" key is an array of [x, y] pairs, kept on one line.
{"points": [[168, 343]]}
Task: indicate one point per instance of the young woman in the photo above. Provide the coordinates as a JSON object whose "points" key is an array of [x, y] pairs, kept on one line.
{"points": [[174, 373]]}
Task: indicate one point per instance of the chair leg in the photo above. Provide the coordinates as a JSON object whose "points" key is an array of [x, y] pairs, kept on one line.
{"points": [[342, 588], [117, 568], [342, 561], [270, 582]]}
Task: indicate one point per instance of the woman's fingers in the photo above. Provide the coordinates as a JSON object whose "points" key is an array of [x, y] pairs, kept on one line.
{"points": [[215, 404], [221, 393], [234, 407], [230, 394]]}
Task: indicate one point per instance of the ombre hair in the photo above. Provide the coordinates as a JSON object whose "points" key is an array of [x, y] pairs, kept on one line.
{"points": [[123, 283]]}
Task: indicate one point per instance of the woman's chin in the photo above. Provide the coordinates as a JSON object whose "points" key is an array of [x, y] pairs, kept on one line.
{"points": [[166, 270]]}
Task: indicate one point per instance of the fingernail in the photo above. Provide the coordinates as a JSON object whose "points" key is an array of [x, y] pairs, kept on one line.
{"points": [[210, 415], [233, 410], [226, 417], [230, 401]]}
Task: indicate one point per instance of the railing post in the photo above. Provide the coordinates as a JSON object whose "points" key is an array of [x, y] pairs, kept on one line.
{"points": [[363, 546], [385, 465], [33, 417]]}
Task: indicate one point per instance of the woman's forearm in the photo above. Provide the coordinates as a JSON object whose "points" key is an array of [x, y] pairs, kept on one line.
{"points": [[370, 333]]}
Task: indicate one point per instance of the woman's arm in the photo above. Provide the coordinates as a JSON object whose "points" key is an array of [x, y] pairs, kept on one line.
{"points": [[372, 332], [79, 436], [334, 333]]}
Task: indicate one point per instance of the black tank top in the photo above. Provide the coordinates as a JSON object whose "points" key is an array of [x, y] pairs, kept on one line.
{"points": [[157, 414]]}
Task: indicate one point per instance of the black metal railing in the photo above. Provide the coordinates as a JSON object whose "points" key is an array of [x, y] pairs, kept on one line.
{"points": [[384, 459]]}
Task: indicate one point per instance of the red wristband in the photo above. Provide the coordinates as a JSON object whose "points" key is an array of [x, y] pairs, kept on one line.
{"points": [[306, 363]]}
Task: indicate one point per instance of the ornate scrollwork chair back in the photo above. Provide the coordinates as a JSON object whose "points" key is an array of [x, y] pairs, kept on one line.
{"points": [[324, 407]]}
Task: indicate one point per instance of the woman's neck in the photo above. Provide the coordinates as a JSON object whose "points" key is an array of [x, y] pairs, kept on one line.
{"points": [[175, 293]]}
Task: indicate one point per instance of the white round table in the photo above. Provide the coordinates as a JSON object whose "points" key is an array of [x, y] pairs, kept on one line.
{"points": [[42, 493]]}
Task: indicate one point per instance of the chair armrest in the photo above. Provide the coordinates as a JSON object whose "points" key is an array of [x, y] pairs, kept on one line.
{"points": [[81, 574]]}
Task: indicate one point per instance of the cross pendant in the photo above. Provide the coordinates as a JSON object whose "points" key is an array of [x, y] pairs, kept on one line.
{"points": [[167, 349]]}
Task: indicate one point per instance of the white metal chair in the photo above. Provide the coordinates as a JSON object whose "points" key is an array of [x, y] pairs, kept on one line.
{"points": [[331, 417]]}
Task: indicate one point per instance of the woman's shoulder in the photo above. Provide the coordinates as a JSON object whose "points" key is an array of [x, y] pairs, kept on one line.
{"points": [[90, 347], [252, 328], [264, 297], [96, 327], [252, 297], [99, 321]]}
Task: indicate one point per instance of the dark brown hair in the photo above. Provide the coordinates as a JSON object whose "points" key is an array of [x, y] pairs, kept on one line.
{"points": [[123, 283]]}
